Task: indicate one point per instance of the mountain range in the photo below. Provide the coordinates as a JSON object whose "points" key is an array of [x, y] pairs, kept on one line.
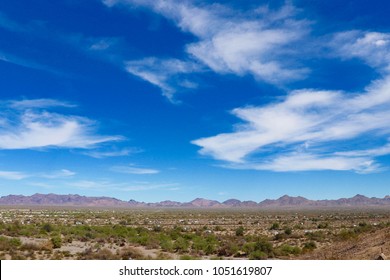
{"points": [[282, 202]]}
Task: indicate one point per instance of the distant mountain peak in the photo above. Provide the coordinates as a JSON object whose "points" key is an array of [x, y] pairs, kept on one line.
{"points": [[232, 202], [202, 202], [283, 201]]}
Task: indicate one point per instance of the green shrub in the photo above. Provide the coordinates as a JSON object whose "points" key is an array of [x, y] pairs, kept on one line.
{"points": [[347, 234], [363, 227], [48, 227], [181, 245], [9, 243], [280, 236], [261, 245], [316, 236], [275, 226], [56, 241], [286, 249], [240, 231], [15, 242], [166, 244], [309, 246], [228, 249], [323, 225], [258, 255]]}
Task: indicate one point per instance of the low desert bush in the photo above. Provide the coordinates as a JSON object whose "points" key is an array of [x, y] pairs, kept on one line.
{"points": [[56, 241]]}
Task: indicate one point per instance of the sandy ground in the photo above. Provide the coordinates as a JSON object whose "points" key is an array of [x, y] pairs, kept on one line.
{"points": [[367, 246]]}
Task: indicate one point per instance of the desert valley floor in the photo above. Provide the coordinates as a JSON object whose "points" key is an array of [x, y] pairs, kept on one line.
{"points": [[72, 233]]}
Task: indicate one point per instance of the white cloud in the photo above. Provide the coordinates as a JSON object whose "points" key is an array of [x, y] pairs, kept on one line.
{"points": [[309, 130], [17, 175], [299, 161], [248, 48], [88, 184], [109, 3], [59, 174], [134, 170], [27, 63], [102, 44], [38, 103], [114, 153], [166, 74], [381, 151], [13, 175], [371, 47], [32, 128], [257, 43]]}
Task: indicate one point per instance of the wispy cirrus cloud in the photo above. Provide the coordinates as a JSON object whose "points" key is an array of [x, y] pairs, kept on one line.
{"points": [[167, 74], [59, 174], [309, 130], [316, 129], [13, 175], [28, 63], [104, 48], [11, 25], [26, 125], [372, 47], [375, 152], [18, 175], [41, 103], [111, 153], [26, 29], [130, 169], [102, 44], [256, 42]]}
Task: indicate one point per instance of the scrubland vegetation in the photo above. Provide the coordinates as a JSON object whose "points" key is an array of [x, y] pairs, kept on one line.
{"points": [[190, 234]]}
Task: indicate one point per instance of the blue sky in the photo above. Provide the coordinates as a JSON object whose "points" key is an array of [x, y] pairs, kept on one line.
{"points": [[156, 100]]}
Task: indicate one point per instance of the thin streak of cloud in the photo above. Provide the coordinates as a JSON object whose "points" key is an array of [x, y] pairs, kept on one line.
{"points": [[303, 132], [13, 175], [11, 25], [18, 175], [27, 63], [60, 174], [134, 170], [114, 153], [38, 104], [105, 48]]}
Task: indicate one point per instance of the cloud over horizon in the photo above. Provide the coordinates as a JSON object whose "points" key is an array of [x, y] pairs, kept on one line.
{"points": [[130, 169], [26, 124], [316, 129], [12, 175]]}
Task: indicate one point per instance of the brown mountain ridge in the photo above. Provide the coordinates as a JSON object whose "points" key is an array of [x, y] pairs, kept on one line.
{"points": [[282, 202]]}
